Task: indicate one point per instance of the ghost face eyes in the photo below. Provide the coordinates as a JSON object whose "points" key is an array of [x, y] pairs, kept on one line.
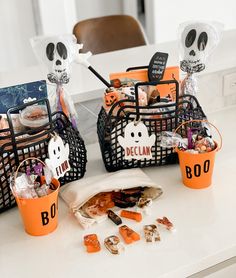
{"points": [[61, 50], [136, 136], [190, 38], [201, 41], [50, 51], [57, 152]]}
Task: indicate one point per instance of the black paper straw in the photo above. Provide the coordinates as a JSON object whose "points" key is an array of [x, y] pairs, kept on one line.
{"points": [[99, 76]]}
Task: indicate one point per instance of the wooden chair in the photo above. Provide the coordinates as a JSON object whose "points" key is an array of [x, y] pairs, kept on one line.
{"points": [[109, 33]]}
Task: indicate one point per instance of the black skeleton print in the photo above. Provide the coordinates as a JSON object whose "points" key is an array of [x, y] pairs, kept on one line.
{"points": [[189, 68], [57, 54], [195, 42]]}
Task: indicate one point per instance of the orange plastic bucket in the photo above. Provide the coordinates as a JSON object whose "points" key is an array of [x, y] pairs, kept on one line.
{"points": [[40, 215], [197, 169]]}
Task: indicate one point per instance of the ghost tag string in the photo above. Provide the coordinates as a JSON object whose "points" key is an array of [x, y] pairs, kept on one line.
{"points": [[137, 143]]}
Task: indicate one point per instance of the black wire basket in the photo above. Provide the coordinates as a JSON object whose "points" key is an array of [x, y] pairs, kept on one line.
{"points": [[158, 118], [16, 147]]}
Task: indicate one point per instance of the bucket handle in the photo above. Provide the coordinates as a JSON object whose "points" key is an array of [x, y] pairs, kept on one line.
{"points": [[29, 158], [187, 122]]}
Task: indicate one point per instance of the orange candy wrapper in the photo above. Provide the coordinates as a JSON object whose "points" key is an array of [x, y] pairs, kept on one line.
{"points": [[128, 234], [137, 216], [131, 77], [92, 244]]}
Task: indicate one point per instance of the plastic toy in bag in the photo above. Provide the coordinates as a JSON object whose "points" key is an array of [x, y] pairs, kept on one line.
{"points": [[197, 41]]}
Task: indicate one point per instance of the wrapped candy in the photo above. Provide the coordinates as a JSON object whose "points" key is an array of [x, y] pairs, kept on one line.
{"points": [[151, 233], [110, 97], [137, 216], [31, 184], [151, 193], [114, 245], [197, 41], [58, 53], [144, 204], [95, 212], [204, 144], [171, 139], [165, 222], [114, 217], [199, 139], [128, 234], [92, 243]]}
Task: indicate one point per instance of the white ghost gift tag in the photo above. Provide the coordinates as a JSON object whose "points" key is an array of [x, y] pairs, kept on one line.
{"points": [[58, 153], [136, 142]]}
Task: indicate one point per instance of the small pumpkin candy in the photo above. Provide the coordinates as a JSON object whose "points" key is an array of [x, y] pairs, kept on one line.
{"points": [[110, 98]]}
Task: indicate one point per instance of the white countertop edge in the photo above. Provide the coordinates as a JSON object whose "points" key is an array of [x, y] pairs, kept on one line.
{"points": [[202, 265]]}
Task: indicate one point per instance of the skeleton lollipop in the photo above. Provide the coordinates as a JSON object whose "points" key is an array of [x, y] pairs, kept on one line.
{"points": [[58, 53], [197, 41]]}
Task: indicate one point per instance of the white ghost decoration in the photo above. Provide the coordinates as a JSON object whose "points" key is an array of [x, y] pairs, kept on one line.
{"points": [[197, 41], [58, 153], [136, 142]]}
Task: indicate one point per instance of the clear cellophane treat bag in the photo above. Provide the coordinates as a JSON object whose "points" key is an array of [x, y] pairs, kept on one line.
{"points": [[57, 53], [30, 184], [197, 40], [196, 140]]}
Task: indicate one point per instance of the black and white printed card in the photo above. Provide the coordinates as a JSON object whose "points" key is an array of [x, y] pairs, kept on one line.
{"points": [[157, 65]]}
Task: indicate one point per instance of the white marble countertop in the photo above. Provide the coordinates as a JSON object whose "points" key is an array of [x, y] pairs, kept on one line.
{"points": [[204, 220]]}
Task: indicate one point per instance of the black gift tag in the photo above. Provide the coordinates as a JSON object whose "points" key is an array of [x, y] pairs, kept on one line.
{"points": [[157, 66]]}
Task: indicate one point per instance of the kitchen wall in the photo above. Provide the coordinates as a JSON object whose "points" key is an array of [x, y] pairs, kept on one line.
{"points": [[17, 25], [163, 17], [21, 20], [97, 8]]}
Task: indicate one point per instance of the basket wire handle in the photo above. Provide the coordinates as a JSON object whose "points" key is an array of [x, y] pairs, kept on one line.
{"points": [[153, 83], [187, 122], [29, 158]]}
